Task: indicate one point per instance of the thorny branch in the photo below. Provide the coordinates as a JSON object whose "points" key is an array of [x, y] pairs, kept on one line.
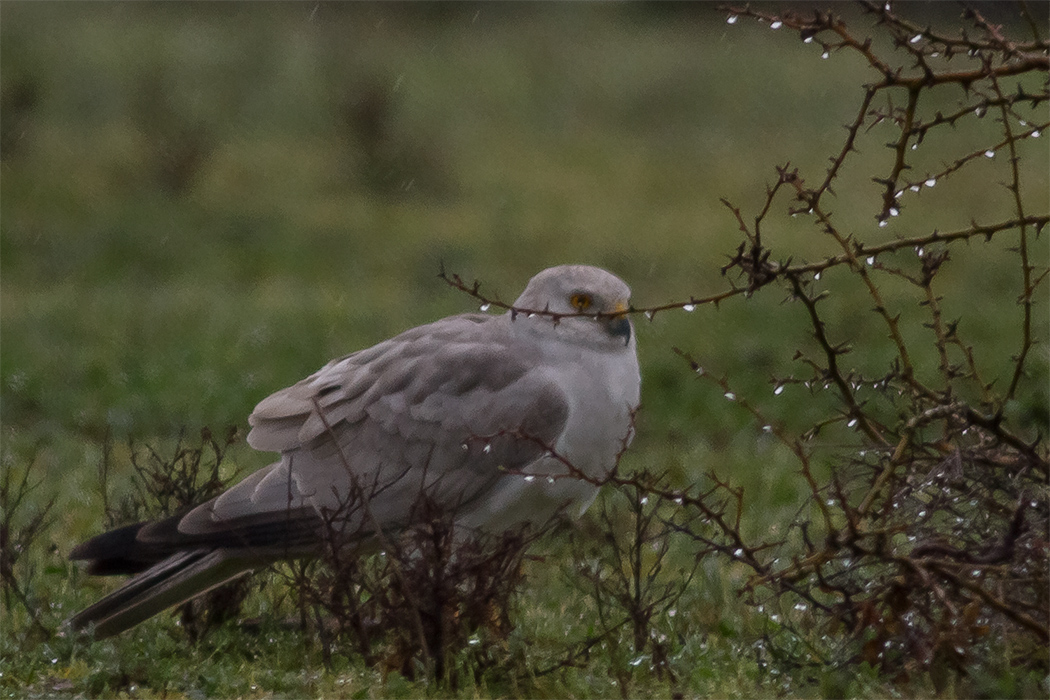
{"points": [[909, 484], [20, 526], [925, 535]]}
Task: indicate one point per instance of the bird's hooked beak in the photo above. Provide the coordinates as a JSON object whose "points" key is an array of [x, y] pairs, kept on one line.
{"points": [[619, 325]]}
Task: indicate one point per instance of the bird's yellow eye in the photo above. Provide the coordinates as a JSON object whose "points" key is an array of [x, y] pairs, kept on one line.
{"points": [[581, 301]]}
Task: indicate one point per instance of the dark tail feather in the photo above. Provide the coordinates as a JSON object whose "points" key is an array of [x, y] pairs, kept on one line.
{"points": [[172, 567], [175, 580]]}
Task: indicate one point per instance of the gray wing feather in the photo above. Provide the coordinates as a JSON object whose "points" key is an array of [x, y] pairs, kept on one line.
{"points": [[442, 407], [266, 497]]}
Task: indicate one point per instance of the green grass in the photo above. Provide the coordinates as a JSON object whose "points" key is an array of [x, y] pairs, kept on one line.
{"points": [[532, 136]]}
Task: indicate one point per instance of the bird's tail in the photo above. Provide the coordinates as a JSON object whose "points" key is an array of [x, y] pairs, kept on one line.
{"points": [[175, 580]]}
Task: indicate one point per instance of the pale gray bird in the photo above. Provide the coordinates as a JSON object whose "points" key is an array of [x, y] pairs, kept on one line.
{"points": [[474, 412]]}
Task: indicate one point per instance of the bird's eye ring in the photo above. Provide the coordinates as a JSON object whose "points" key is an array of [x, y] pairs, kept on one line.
{"points": [[581, 301]]}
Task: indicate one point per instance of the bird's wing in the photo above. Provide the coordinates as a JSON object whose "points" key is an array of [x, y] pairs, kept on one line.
{"points": [[443, 410]]}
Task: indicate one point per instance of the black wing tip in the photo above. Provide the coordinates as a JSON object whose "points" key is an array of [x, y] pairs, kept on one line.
{"points": [[114, 543]]}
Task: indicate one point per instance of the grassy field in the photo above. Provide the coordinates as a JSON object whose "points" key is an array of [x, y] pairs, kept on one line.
{"points": [[203, 203]]}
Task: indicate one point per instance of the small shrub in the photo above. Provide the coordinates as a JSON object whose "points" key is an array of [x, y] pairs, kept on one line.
{"points": [[165, 483], [23, 520], [434, 602]]}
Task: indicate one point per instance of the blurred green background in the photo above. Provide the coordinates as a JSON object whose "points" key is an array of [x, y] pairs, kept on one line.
{"points": [[202, 203]]}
